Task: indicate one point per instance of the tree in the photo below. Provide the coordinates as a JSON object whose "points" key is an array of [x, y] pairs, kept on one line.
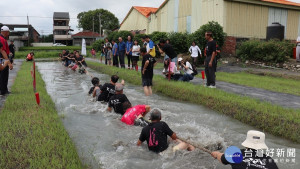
{"points": [[108, 20], [48, 38]]}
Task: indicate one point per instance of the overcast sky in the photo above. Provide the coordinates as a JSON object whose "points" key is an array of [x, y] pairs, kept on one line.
{"points": [[15, 11]]}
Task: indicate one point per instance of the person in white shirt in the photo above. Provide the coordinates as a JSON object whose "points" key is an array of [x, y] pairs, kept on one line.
{"points": [[194, 50], [188, 70], [135, 54], [298, 50]]}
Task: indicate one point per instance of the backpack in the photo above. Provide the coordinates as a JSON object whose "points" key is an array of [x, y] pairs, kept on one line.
{"points": [[194, 69]]}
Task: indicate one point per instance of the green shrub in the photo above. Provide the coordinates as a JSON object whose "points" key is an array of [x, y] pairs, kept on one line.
{"points": [[112, 35], [53, 48], [179, 41], [156, 36], [98, 45], [272, 51], [123, 34], [199, 36]]}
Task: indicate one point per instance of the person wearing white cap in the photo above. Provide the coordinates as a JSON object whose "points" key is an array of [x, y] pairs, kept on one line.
{"points": [[4, 55], [253, 157], [188, 70]]}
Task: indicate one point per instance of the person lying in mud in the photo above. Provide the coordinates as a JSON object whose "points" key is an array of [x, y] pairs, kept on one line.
{"points": [[135, 115], [108, 89], [174, 73], [253, 157], [95, 90], [116, 101], [156, 135]]}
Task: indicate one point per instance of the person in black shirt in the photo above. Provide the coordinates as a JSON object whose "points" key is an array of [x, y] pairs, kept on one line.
{"points": [[253, 157], [108, 89], [117, 100], [210, 61], [148, 64], [12, 51], [156, 135], [167, 49]]}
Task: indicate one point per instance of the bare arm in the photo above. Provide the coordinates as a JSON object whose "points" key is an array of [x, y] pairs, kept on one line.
{"points": [[139, 143], [161, 51], [212, 58], [174, 137], [217, 155], [145, 66], [6, 58]]}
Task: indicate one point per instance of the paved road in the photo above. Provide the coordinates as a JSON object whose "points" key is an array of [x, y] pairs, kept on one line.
{"points": [[282, 99]]}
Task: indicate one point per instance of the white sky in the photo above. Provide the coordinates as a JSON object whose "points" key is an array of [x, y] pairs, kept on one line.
{"points": [[45, 8]]}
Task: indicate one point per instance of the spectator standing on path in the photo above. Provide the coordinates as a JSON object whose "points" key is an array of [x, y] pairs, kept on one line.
{"points": [[122, 47], [150, 46], [4, 55], [129, 45], [115, 52], [148, 64], [253, 157], [195, 51], [12, 52], [105, 49], [5, 62], [135, 54], [144, 42], [298, 50], [93, 52], [210, 60]]}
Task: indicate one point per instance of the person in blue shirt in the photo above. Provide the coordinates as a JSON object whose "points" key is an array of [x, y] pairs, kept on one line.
{"points": [[122, 47], [129, 45], [115, 52]]}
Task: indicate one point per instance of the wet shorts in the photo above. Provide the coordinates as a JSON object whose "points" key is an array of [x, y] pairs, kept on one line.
{"points": [[146, 82]]}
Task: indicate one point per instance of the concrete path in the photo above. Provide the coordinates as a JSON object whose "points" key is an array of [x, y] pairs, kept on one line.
{"points": [[11, 79], [282, 99]]}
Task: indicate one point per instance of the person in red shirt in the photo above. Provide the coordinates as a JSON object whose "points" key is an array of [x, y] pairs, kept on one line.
{"points": [[4, 55], [134, 113], [5, 62]]}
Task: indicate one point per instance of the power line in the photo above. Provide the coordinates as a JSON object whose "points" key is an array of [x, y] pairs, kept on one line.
{"points": [[43, 17]]}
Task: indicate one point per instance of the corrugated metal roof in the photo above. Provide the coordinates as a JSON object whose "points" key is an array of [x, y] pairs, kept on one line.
{"points": [[61, 15], [284, 2]]}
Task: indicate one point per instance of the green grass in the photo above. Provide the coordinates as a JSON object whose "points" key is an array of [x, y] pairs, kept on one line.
{"points": [[276, 84], [43, 48], [265, 116], [33, 136]]}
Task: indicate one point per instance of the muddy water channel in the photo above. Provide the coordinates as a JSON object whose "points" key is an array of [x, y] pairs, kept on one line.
{"points": [[103, 141]]}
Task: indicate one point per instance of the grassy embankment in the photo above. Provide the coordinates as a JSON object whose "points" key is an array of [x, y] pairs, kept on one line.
{"points": [[265, 116], [33, 136], [267, 82]]}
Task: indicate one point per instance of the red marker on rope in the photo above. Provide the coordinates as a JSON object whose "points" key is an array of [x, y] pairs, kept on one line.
{"points": [[203, 76], [37, 98]]}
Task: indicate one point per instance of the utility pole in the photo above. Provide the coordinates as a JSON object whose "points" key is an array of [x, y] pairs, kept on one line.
{"points": [[28, 30], [100, 24], [93, 28]]}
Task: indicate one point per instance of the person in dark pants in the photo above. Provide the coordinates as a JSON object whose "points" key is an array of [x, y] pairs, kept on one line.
{"points": [[122, 47], [115, 52], [12, 51], [210, 60], [148, 64], [129, 45], [4, 55]]}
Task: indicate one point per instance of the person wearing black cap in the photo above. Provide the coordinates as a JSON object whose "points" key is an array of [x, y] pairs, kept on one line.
{"points": [[156, 135], [4, 55]]}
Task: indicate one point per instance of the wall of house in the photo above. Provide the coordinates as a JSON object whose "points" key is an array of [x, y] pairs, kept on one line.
{"points": [[135, 21]]}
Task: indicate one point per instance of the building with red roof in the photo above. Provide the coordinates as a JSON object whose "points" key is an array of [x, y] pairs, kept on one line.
{"points": [[89, 36]]}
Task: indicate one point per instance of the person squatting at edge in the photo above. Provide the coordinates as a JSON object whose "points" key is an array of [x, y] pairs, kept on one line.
{"points": [[156, 135]]}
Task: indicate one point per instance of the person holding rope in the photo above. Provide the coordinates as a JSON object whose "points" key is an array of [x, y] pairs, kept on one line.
{"points": [[156, 135], [116, 101], [95, 90], [135, 115], [108, 89], [253, 157]]}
